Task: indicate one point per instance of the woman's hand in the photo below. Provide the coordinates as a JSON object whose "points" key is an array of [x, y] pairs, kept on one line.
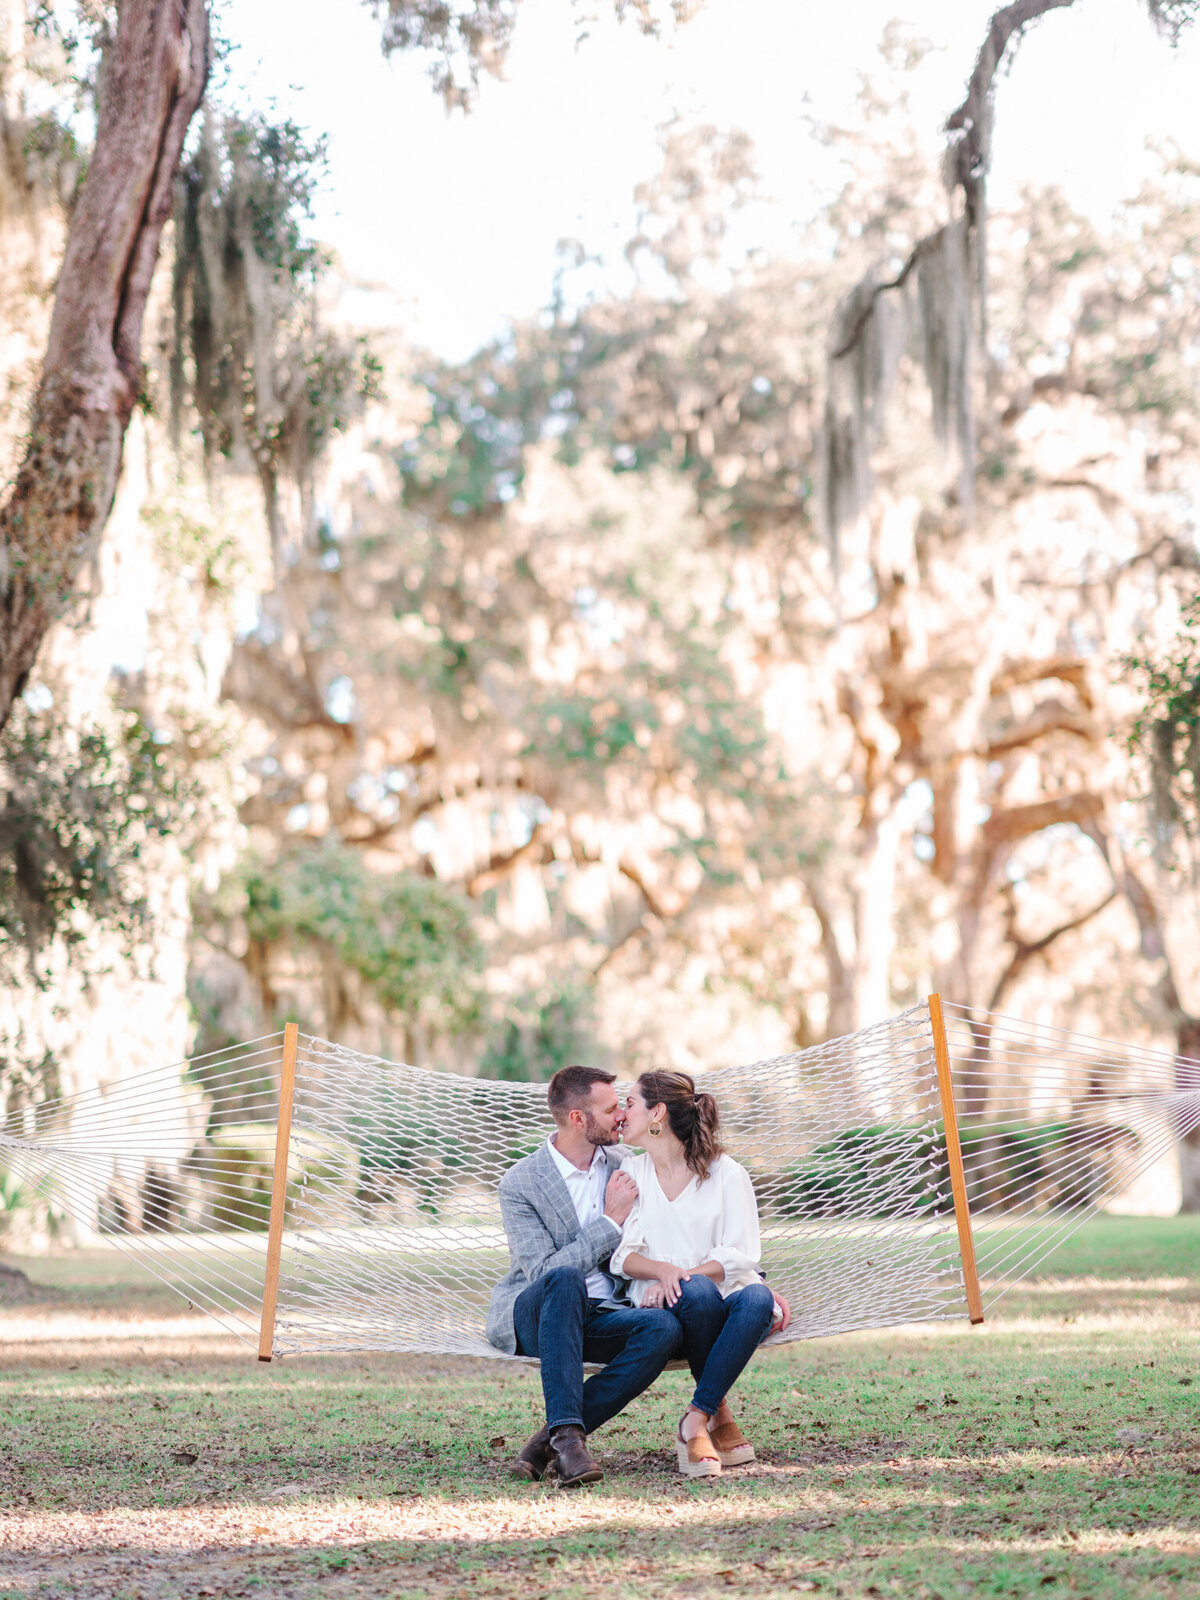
{"points": [[664, 1274], [653, 1296], [669, 1277]]}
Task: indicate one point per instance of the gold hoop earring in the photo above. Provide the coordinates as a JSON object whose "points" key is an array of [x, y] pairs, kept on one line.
{"points": [[655, 1129]]}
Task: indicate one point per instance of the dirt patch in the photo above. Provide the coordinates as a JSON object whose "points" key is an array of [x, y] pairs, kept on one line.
{"points": [[17, 1289]]}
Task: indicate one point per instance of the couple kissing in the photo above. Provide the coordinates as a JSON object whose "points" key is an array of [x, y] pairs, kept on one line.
{"points": [[628, 1261]]}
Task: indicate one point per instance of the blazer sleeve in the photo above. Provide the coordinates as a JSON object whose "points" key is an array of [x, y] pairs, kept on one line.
{"points": [[739, 1249], [531, 1245]]}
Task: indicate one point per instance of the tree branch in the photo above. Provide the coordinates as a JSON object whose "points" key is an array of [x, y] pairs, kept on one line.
{"points": [[1025, 951], [838, 970], [968, 155], [499, 867], [1018, 822], [285, 699], [970, 125], [1067, 669], [1050, 717], [863, 315], [653, 904]]}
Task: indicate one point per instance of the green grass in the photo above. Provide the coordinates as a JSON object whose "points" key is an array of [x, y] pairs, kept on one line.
{"points": [[1137, 1247], [1055, 1453]]}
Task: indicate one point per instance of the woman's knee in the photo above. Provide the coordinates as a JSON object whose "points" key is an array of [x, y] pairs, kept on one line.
{"points": [[758, 1302], [698, 1291]]}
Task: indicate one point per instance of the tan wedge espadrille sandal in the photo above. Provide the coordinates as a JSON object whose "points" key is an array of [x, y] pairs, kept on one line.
{"points": [[730, 1442], [697, 1457]]}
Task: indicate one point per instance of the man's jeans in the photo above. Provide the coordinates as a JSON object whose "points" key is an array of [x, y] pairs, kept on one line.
{"points": [[720, 1335], [555, 1321]]}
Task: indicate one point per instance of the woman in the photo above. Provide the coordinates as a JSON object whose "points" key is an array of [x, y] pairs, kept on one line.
{"points": [[691, 1243]]}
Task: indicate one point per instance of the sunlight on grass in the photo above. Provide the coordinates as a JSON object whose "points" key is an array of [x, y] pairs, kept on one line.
{"points": [[1053, 1451]]}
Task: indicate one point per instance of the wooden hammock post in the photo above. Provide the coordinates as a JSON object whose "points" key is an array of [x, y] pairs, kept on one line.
{"points": [[283, 1137], [958, 1178]]}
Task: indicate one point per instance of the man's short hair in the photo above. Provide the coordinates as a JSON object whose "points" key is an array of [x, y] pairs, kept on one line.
{"points": [[571, 1088]]}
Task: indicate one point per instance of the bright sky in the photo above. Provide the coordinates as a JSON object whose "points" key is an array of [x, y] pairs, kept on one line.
{"points": [[461, 216]]}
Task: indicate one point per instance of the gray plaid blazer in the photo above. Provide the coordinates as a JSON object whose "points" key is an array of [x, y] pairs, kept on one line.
{"points": [[543, 1233]]}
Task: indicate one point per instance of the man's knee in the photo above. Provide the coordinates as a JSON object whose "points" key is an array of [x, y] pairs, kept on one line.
{"points": [[660, 1330], [566, 1281]]}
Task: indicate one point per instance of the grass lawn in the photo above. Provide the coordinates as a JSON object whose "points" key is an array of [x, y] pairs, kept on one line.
{"points": [[1054, 1451]]}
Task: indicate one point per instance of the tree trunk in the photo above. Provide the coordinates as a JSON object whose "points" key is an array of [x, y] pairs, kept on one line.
{"points": [[1187, 1081], [154, 74], [875, 911], [836, 938]]}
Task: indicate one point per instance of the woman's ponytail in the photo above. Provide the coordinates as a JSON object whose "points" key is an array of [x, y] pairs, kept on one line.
{"points": [[693, 1117], [706, 1144]]}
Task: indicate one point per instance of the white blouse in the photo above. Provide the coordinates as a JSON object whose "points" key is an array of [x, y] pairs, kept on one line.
{"points": [[716, 1220]]}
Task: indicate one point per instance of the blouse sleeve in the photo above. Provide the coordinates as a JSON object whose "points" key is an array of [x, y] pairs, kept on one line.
{"points": [[738, 1250], [633, 1239]]}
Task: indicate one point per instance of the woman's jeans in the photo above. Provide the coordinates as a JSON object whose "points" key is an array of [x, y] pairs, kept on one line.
{"points": [[720, 1334], [555, 1320]]}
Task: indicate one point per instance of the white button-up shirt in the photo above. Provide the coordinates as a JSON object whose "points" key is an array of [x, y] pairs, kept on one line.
{"points": [[586, 1189]]}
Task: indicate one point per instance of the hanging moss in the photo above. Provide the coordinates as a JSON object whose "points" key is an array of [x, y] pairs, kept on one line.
{"points": [[1167, 734], [269, 385], [925, 312]]}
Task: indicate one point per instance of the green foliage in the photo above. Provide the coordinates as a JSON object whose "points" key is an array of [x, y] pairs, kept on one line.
{"points": [[891, 1171], [273, 169], [78, 809], [1167, 733], [408, 937], [879, 1172], [710, 388], [405, 1142], [461, 41], [464, 40], [468, 457], [339, 376], [13, 1197], [186, 545], [26, 1200], [239, 1172], [1171, 17], [1046, 1165], [541, 1033]]}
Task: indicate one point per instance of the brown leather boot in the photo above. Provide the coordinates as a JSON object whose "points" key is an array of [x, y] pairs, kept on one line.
{"points": [[575, 1466], [533, 1460]]}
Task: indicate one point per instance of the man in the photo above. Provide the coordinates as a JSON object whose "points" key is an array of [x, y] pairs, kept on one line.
{"points": [[563, 1208]]}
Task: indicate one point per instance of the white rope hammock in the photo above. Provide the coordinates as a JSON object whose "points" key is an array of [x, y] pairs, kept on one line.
{"points": [[378, 1228]]}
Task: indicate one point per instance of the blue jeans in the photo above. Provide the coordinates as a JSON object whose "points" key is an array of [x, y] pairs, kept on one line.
{"points": [[720, 1334], [555, 1321]]}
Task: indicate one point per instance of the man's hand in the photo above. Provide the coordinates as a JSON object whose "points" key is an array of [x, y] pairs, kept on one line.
{"points": [[654, 1296], [619, 1197], [781, 1302]]}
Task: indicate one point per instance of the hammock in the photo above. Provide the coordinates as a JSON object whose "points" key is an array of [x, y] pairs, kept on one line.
{"points": [[312, 1198]]}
